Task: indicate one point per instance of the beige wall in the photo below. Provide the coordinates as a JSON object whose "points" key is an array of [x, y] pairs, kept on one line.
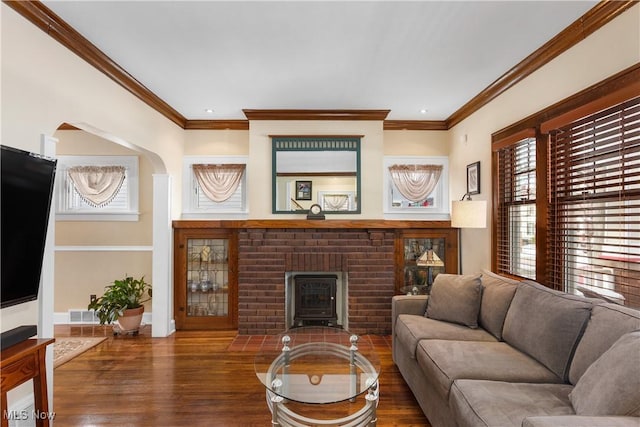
{"points": [[416, 143], [79, 274], [216, 143]]}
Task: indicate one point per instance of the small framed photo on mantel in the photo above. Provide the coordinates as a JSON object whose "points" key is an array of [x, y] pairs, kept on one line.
{"points": [[303, 190], [473, 178]]}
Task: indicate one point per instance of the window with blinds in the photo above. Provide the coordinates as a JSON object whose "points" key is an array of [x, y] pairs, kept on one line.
{"points": [[594, 212], [70, 206], [516, 219], [196, 204]]}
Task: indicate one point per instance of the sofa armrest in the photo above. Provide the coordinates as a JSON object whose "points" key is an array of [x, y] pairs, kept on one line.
{"points": [[581, 421], [407, 304]]}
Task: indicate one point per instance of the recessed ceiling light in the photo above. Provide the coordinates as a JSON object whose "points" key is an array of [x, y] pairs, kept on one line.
{"points": [[208, 110], [423, 111]]}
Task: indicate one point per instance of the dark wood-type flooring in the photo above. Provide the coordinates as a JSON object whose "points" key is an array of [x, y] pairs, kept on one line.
{"points": [[192, 378]]}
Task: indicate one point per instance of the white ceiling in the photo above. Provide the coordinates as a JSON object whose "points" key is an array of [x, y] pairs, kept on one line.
{"points": [[399, 55]]}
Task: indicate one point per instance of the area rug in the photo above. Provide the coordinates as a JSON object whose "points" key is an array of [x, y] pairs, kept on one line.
{"points": [[66, 348]]}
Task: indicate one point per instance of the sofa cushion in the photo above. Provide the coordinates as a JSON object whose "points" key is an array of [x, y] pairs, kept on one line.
{"points": [[607, 323], [410, 329], [473, 402], [455, 298], [611, 386], [497, 293], [546, 324], [445, 361], [579, 421]]}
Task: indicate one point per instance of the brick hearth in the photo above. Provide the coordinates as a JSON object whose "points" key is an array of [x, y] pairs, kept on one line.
{"points": [[264, 255]]}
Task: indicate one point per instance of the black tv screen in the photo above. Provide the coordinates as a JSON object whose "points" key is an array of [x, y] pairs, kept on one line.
{"points": [[27, 186]]}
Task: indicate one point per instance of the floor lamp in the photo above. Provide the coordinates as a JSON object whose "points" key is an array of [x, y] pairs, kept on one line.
{"points": [[467, 213]]}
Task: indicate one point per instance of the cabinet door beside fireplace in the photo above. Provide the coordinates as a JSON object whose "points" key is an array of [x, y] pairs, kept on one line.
{"points": [[423, 254], [205, 282]]}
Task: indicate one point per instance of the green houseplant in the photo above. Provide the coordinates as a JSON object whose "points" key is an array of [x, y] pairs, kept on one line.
{"points": [[123, 302]]}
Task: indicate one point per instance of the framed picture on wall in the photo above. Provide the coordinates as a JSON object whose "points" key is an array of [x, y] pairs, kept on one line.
{"points": [[303, 190], [473, 178]]}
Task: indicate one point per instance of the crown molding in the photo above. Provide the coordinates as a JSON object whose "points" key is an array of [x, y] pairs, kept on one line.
{"points": [[45, 19], [315, 114], [587, 24], [620, 87], [217, 125], [415, 125]]}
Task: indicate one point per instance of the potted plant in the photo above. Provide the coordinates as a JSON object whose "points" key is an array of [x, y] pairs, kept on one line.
{"points": [[122, 302]]}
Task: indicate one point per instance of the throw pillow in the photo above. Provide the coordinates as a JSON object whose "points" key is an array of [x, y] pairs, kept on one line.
{"points": [[497, 294], [611, 385], [455, 298]]}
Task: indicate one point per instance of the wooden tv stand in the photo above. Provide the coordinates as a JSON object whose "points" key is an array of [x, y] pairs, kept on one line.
{"points": [[20, 363]]}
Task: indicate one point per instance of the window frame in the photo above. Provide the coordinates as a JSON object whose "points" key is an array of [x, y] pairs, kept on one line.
{"points": [[441, 211], [189, 206], [508, 198], [106, 213], [610, 92]]}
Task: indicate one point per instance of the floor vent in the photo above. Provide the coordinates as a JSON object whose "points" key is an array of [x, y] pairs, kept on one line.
{"points": [[83, 316]]}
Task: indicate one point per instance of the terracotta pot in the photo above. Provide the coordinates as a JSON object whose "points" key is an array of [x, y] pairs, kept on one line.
{"points": [[131, 319]]}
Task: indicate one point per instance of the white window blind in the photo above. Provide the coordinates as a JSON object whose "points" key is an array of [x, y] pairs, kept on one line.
{"points": [[196, 204], [70, 205]]}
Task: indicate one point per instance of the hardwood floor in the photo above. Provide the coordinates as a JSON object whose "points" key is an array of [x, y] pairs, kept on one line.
{"points": [[192, 378]]}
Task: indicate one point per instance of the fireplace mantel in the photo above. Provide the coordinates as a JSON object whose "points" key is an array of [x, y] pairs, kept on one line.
{"points": [[306, 223]]}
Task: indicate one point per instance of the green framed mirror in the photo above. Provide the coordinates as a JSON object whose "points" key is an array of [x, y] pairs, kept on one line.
{"points": [[322, 170]]}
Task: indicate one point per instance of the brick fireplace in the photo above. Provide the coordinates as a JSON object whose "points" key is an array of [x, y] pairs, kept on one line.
{"points": [[267, 255]]}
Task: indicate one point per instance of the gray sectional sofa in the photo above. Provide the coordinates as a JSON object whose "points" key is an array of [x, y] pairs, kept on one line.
{"points": [[484, 350]]}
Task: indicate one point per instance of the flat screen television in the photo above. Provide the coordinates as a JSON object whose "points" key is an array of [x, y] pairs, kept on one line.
{"points": [[27, 186]]}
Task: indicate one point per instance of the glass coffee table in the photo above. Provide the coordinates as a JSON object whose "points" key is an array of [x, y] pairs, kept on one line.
{"points": [[318, 365]]}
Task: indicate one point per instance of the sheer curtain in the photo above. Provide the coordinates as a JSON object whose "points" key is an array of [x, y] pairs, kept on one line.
{"points": [[415, 182], [336, 202], [97, 185], [219, 182]]}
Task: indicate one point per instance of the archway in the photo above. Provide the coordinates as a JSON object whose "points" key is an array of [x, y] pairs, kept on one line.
{"points": [[160, 225]]}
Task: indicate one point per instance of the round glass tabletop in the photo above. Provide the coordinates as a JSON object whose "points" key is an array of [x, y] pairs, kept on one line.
{"points": [[317, 365]]}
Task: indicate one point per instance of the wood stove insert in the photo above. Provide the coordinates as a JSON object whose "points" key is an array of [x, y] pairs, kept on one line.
{"points": [[315, 299]]}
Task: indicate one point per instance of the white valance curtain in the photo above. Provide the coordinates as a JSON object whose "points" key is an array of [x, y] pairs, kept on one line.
{"points": [[219, 182], [97, 185], [415, 182], [336, 202]]}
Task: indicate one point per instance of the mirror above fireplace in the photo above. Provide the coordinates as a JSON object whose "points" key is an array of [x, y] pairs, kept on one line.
{"points": [[323, 170]]}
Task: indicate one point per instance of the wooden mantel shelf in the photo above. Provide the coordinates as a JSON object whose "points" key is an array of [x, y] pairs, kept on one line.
{"points": [[305, 223]]}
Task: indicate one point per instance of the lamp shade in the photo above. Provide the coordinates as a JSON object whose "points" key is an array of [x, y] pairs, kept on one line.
{"points": [[469, 214]]}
